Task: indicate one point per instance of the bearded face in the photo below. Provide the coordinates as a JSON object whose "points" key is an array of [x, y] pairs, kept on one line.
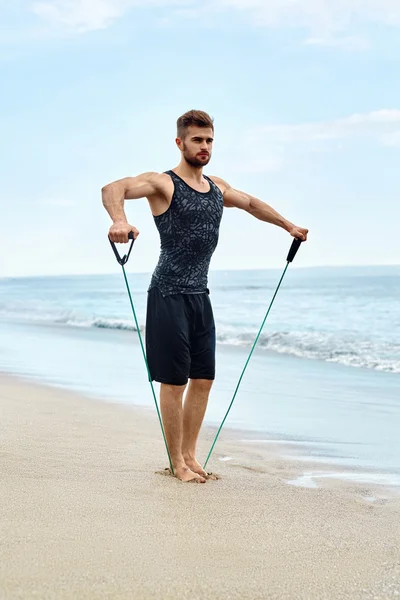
{"points": [[196, 147]]}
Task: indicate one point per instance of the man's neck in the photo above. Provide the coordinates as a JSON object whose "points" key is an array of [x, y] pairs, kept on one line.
{"points": [[186, 171]]}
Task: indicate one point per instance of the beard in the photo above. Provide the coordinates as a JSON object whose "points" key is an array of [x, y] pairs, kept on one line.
{"points": [[195, 161]]}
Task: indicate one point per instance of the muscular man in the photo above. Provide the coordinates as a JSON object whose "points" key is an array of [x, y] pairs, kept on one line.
{"points": [[187, 207]]}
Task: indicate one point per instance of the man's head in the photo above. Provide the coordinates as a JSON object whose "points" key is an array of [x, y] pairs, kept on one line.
{"points": [[195, 135]]}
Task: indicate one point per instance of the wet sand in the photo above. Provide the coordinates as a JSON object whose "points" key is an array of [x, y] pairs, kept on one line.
{"points": [[85, 515]]}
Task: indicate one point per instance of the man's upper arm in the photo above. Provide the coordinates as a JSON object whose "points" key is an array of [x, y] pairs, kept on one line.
{"points": [[232, 198], [141, 186]]}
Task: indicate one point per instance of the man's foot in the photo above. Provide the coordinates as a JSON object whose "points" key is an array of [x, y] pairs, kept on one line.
{"points": [[197, 468], [186, 474]]}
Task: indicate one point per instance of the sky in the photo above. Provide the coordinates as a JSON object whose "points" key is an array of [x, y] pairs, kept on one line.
{"points": [[305, 96]]}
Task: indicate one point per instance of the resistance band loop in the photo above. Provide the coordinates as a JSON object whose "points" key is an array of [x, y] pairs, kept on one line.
{"points": [[122, 261], [292, 253]]}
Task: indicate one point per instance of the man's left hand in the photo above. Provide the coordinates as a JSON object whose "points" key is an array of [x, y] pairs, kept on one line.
{"points": [[299, 232]]}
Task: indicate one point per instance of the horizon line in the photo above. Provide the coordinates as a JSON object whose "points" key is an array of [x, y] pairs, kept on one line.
{"points": [[310, 267]]}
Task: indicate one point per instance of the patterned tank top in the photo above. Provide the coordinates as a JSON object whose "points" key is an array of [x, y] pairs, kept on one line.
{"points": [[189, 231]]}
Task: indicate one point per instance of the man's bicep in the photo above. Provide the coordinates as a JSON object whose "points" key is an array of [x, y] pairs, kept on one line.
{"points": [[236, 199], [232, 197]]}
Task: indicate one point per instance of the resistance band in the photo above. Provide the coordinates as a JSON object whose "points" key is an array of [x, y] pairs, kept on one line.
{"points": [[122, 261], [292, 253]]}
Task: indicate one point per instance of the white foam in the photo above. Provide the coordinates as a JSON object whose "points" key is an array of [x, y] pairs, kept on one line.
{"points": [[345, 350], [307, 479], [283, 442]]}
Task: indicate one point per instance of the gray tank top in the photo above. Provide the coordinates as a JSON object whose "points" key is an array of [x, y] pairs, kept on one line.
{"points": [[189, 231]]}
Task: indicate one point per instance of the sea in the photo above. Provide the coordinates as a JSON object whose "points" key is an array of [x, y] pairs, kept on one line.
{"points": [[323, 380]]}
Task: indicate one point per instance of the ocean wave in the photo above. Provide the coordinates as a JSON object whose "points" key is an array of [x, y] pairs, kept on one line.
{"points": [[121, 324], [71, 319], [335, 348], [339, 348], [321, 346]]}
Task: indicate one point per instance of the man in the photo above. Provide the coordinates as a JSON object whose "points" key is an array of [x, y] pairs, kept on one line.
{"points": [[187, 208]]}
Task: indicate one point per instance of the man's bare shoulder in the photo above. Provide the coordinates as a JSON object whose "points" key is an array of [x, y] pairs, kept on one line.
{"points": [[153, 177], [221, 183], [159, 181]]}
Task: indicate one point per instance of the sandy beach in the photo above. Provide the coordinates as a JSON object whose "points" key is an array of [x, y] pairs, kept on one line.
{"points": [[85, 515]]}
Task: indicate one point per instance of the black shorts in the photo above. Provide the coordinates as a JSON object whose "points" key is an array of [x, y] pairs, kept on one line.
{"points": [[180, 337]]}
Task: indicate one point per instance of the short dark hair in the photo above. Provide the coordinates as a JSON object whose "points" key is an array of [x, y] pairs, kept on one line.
{"points": [[193, 117]]}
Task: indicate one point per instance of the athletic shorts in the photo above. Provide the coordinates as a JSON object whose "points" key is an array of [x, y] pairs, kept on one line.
{"points": [[180, 337]]}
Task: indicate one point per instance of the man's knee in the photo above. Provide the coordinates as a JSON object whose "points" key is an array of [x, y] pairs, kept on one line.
{"points": [[201, 385], [172, 391]]}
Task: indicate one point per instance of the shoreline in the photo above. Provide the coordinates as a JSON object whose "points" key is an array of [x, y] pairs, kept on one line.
{"points": [[249, 446], [85, 514], [260, 443]]}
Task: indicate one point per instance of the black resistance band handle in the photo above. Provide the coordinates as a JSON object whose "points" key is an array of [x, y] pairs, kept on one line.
{"points": [[124, 259], [293, 250]]}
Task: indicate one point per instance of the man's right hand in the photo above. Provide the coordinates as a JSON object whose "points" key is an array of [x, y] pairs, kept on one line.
{"points": [[120, 230]]}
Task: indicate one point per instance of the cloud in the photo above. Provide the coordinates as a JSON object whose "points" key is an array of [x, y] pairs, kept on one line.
{"points": [[323, 19], [382, 125], [80, 15], [392, 139], [318, 15], [88, 15], [270, 146], [352, 42]]}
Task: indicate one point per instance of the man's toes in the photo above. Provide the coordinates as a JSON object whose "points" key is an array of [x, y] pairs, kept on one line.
{"points": [[198, 480], [187, 475], [196, 468]]}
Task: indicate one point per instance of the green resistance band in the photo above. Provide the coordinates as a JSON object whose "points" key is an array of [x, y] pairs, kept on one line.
{"points": [[122, 261], [292, 253]]}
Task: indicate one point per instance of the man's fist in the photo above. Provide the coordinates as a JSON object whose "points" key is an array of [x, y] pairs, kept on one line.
{"points": [[120, 230], [299, 232]]}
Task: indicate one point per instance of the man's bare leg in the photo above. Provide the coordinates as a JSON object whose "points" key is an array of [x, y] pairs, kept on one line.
{"points": [[193, 414], [172, 416]]}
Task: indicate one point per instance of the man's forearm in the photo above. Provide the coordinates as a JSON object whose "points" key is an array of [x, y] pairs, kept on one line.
{"points": [[113, 197], [264, 212]]}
